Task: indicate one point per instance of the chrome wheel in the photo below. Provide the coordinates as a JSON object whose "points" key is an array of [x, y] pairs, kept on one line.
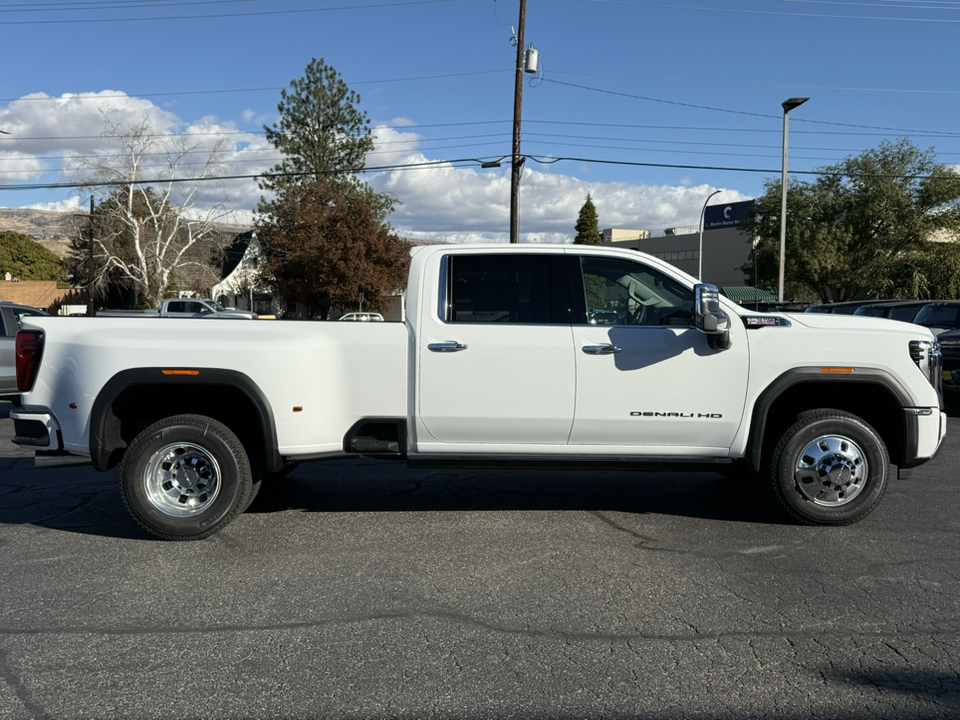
{"points": [[831, 470], [181, 480]]}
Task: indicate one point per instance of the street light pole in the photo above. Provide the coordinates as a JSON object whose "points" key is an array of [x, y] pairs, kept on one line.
{"points": [[787, 105], [703, 213]]}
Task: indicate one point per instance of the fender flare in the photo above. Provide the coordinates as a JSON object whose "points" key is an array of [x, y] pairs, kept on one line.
{"points": [[126, 379], [800, 375]]}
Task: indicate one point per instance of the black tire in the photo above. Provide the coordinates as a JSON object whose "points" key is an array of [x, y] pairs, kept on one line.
{"points": [[261, 477], [739, 471], [185, 477], [281, 473], [829, 468]]}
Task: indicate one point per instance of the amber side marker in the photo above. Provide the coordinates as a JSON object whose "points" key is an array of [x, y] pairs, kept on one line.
{"points": [[837, 370], [181, 372], [298, 408]]}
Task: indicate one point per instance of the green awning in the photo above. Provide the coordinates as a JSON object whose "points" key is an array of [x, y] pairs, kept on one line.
{"points": [[747, 294]]}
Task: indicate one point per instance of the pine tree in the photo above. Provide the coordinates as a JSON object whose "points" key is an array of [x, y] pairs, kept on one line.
{"points": [[588, 225]]}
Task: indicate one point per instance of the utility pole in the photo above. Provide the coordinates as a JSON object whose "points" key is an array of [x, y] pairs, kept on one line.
{"points": [[517, 164], [91, 307]]}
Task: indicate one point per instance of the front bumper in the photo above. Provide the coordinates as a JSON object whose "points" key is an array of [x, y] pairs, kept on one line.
{"points": [[925, 431]]}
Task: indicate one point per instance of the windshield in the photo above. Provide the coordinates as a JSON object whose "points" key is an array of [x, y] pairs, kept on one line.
{"points": [[939, 315]]}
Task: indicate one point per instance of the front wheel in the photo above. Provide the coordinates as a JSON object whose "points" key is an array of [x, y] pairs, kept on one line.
{"points": [[185, 477], [829, 468]]}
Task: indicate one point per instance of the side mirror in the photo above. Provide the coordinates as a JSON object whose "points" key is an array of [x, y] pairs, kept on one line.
{"points": [[709, 318]]}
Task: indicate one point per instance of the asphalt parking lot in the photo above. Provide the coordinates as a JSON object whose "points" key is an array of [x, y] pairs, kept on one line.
{"points": [[361, 589]]}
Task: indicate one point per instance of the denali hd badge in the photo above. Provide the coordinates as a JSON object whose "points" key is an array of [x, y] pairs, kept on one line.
{"points": [[648, 413]]}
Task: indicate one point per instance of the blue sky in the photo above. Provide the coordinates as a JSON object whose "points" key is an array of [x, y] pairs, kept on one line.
{"points": [[647, 106]]}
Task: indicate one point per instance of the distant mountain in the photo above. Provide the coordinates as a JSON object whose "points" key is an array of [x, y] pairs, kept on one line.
{"points": [[54, 230]]}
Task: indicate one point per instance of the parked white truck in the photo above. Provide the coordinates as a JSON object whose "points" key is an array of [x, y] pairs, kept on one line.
{"points": [[185, 308], [518, 356]]}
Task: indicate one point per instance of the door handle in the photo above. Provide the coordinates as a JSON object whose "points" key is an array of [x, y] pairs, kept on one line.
{"points": [[446, 347], [601, 349]]}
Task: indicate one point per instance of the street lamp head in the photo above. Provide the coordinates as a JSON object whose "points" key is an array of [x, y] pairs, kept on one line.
{"points": [[792, 103]]}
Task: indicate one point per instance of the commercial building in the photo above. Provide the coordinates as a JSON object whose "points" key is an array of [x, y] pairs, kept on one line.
{"points": [[725, 248]]}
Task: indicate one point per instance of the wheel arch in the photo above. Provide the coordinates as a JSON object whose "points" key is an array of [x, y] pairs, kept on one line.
{"points": [[871, 394], [134, 399]]}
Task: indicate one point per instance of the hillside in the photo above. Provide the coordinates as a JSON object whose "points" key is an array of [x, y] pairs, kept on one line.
{"points": [[53, 230]]}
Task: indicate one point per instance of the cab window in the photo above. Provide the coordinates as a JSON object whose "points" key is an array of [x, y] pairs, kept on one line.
{"points": [[523, 289]]}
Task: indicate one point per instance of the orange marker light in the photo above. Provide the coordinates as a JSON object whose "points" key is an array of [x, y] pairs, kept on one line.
{"points": [[837, 370], [181, 372]]}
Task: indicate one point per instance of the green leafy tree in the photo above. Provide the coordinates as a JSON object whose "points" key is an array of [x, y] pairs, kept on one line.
{"points": [[588, 225], [859, 221], [25, 259], [325, 246], [322, 136]]}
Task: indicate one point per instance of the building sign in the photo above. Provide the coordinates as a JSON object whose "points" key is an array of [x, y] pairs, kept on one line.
{"points": [[725, 216]]}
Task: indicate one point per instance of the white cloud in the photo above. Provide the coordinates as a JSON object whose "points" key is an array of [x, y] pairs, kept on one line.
{"points": [[72, 204], [437, 202]]}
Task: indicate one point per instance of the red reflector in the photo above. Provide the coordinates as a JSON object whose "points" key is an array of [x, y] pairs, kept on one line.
{"points": [[29, 351]]}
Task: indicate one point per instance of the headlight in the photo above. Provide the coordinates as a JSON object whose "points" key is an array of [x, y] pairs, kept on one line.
{"points": [[926, 354]]}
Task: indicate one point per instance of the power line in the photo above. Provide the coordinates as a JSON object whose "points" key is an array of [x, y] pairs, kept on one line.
{"points": [[738, 11], [111, 5], [731, 111], [370, 6], [178, 93], [434, 164]]}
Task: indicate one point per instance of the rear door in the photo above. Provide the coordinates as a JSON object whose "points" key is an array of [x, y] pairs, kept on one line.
{"points": [[495, 356]]}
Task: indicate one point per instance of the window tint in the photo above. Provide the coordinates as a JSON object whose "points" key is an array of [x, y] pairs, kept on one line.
{"points": [[906, 313], [501, 289], [176, 307], [939, 315], [620, 292]]}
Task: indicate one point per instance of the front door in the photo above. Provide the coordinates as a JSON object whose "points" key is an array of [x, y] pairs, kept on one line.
{"points": [[645, 375]]}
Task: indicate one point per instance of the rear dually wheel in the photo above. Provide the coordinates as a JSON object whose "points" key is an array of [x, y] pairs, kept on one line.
{"points": [[185, 477]]}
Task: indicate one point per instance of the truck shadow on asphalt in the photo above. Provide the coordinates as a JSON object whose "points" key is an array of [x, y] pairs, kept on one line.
{"points": [[333, 487], [83, 501]]}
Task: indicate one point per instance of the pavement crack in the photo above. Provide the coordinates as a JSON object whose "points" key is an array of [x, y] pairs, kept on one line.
{"points": [[8, 676]]}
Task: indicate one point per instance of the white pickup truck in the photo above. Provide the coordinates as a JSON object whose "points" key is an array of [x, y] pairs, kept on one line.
{"points": [[518, 356], [185, 308]]}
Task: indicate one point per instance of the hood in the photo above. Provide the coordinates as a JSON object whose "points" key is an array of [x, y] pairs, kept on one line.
{"points": [[850, 323]]}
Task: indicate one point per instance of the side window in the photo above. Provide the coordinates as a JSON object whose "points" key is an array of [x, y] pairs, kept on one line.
{"points": [[501, 289], [620, 292]]}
